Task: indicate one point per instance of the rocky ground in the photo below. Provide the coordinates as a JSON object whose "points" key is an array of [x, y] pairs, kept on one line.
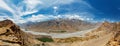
{"points": [[12, 35]]}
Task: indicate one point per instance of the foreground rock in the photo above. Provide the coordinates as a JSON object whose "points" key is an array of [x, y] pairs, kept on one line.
{"points": [[115, 41], [12, 35]]}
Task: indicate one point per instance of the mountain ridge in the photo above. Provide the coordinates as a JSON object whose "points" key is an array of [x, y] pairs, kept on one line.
{"points": [[60, 25]]}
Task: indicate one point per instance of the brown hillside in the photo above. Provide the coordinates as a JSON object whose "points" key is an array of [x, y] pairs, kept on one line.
{"points": [[12, 35]]}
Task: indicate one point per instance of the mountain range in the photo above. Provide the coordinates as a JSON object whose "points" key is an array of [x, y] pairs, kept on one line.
{"points": [[59, 26]]}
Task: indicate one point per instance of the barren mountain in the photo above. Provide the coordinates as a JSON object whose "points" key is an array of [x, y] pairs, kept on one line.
{"points": [[59, 26], [12, 35]]}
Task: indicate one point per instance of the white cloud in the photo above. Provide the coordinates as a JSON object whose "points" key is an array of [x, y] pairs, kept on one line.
{"points": [[35, 18], [64, 1], [28, 7], [32, 2], [29, 12], [55, 7], [32, 6], [40, 17], [5, 6], [74, 17], [17, 11], [48, 3]]}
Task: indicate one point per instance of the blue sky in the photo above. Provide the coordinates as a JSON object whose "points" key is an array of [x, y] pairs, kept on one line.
{"points": [[22, 11]]}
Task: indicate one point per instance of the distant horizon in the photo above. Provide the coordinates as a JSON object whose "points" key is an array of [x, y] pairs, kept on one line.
{"points": [[22, 11]]}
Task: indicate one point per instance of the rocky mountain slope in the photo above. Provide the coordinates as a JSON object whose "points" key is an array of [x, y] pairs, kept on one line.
{"points": [[12, 35], [115, 41]]}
